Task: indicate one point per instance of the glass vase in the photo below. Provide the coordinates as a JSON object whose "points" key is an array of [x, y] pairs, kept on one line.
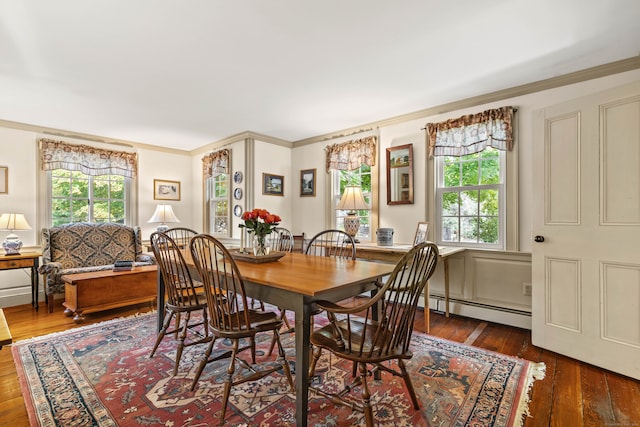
{"points": [[260, 247]]}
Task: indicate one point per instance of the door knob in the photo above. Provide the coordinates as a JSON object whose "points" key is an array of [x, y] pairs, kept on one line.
{"points": [[538, 239]]}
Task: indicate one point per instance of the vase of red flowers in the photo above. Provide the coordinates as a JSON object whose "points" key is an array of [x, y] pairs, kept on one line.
{"points": [[259, 223]]}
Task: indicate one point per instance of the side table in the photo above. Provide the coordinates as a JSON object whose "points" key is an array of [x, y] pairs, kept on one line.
{"points": [[25, 260]]}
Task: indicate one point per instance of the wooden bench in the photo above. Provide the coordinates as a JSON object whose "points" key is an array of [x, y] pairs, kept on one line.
{"points": [[103, 290], [5, 333]]}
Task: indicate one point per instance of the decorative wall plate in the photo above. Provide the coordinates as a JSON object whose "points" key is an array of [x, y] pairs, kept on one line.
{"points": [[237, 210], [237, 193], [237, 177]]}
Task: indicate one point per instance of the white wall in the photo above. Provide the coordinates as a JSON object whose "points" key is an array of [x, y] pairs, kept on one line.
{"points": [[275, 160], [18, 151], [309, 212], [165, 166]]}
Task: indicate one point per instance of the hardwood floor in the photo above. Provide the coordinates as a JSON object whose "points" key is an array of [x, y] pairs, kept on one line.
{"points": [[573, 394]]}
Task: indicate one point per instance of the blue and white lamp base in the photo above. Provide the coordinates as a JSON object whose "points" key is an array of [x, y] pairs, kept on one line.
{"points": [[12, 245]]}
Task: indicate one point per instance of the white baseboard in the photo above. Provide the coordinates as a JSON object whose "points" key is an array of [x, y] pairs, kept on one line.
{"points": [[496, 315]]}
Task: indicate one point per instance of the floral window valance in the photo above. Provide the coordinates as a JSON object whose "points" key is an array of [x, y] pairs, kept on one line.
{"points": [[86, 159], [351, 155], [215, 163], [472, 133]]}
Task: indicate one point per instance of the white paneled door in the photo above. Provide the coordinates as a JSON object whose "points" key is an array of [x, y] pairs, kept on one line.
{"points": [[586, 229]]}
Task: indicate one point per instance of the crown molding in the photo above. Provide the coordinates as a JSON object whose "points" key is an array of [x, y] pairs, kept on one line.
{"points": [[52, 132], [243, 136], [604, 70]]}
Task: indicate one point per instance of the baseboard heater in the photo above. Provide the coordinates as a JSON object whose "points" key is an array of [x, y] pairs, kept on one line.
{"points": [[440, 298]]}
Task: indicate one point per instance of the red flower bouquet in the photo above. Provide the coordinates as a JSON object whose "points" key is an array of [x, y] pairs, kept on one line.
{"points": [[260, 222]]}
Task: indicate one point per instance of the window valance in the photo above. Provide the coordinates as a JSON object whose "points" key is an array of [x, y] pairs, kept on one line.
{"points": [[216, 162], [86, 159], [472, 133], [351, 155]]}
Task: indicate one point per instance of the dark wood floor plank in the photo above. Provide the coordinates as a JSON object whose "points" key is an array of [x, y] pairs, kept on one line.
{"points": [[625, 399], [542, 393], [566, 409], [596, 402], [492, 338]]}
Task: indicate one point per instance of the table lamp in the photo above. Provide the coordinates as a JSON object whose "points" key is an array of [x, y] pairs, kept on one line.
{"points": [[13, 222], [162, 215], [352, 201]]}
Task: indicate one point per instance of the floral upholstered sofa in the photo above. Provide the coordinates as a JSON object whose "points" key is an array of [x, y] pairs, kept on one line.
{"points": [[85, 247]]}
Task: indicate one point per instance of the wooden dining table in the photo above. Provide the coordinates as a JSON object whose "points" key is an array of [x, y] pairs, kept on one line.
{"points": [[295, 282]]}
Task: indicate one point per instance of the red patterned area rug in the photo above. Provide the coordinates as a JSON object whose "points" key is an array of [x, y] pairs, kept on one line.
{"points": [[101, 375]]}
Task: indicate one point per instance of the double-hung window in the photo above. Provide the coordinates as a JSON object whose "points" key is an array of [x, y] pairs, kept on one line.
{"points": [[470, 199], [76, 197], [218, 204]]}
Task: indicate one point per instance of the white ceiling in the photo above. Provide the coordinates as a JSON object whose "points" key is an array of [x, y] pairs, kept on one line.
{"points": [[183, 74]]}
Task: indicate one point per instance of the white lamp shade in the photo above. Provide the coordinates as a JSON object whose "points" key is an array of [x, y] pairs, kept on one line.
{"points": [[352, 199], [13, 221], [164, 214]]}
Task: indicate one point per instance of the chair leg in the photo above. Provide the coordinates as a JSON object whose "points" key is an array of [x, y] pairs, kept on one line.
{"points": [[253, 349], [162, 332], [177, 328], [408, 383], [366, 395], [312, 367], [283, 360], [50, 303], [183, 336], [289, 329], [273, 344], [203, 363], [228, 381], [205, 320]]}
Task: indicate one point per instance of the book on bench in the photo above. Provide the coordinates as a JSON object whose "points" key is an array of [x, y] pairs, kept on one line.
{"points": [[123, 266]]}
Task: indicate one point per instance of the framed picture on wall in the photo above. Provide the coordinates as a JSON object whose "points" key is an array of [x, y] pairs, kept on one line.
{"points": [[272, 184], [4, 180], [166, 190], [307, 182]]}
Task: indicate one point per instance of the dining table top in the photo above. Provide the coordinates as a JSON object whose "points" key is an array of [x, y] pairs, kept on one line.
{"points": [[311, 276]]}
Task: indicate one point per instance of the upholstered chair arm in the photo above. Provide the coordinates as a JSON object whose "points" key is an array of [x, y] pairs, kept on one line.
{"points": [[49, 268]]}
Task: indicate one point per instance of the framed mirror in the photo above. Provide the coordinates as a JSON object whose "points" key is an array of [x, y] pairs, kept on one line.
{"points": [[400, 175]]}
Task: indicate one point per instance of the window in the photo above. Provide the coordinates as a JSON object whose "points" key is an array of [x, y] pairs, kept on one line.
{"points": [[470, 199], [76, 197], [216, 175], [218, 203], [362, 177]]}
